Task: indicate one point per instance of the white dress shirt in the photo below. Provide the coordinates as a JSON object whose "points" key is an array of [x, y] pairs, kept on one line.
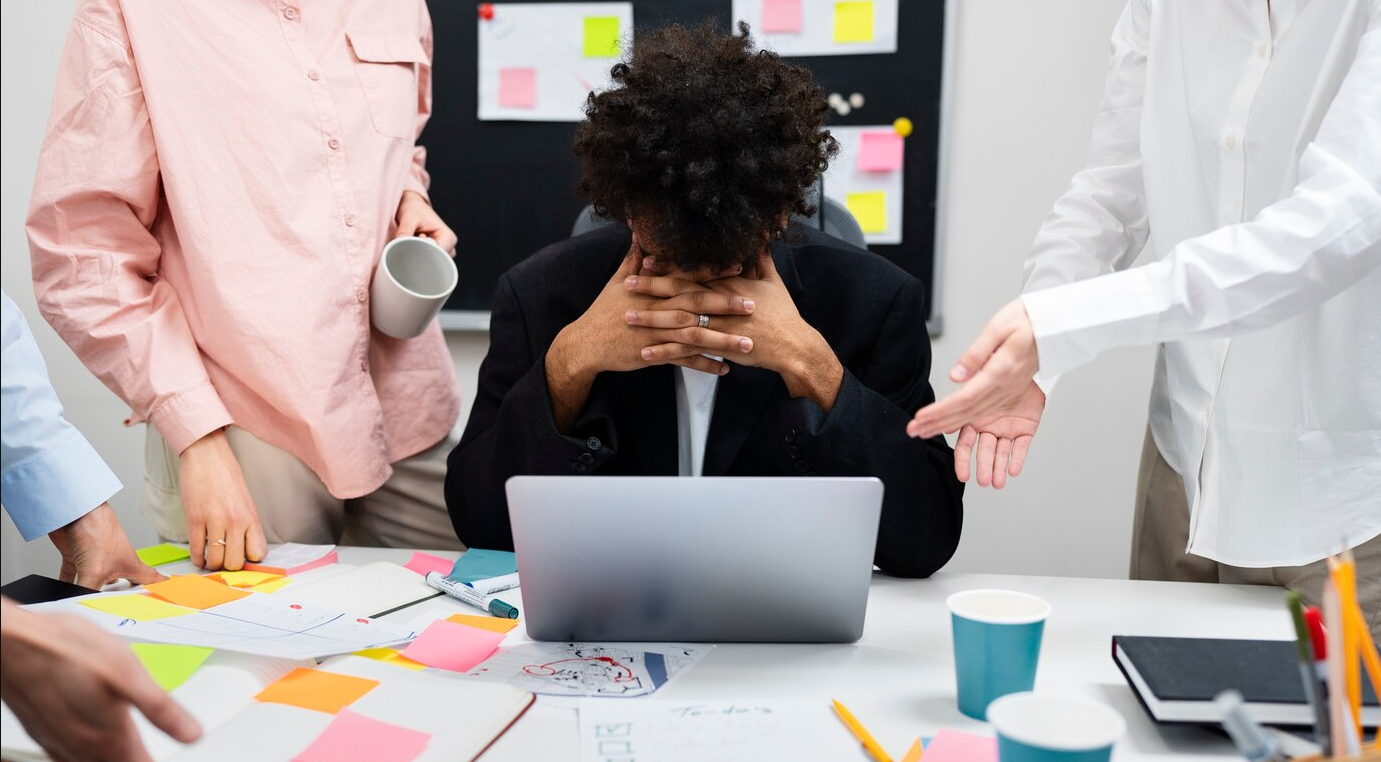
{"points": [[695, 393], [1244, 139]]}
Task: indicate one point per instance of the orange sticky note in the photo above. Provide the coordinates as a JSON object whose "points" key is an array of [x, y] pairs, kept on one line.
{"points": [[195, 592], [313, 689], [491, 623]]}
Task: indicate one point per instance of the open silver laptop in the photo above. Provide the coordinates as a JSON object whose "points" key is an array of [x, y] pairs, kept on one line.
{"points": [[694, 559]]}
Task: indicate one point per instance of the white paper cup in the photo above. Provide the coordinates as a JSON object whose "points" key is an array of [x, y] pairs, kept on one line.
{"points": [[412, 282], [1033, 727]]}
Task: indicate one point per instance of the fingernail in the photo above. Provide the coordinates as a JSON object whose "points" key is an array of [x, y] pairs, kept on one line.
{"points": [[745, 344], [748, 305], [631, 316], [959, 373], [631, 281], [647, 354], [723, 369]]}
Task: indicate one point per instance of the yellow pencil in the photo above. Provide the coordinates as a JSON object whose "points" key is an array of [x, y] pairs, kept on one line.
{"points": [[863, 736]]}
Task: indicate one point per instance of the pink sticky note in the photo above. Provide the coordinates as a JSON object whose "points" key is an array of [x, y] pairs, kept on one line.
{"points": [[954, 746], [518, 88], [447, 645], [426, 562], [353, 737], [781, 16], [880, 152]]}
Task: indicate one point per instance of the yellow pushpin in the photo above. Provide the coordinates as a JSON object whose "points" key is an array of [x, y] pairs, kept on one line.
{"points": [[902, 127]]}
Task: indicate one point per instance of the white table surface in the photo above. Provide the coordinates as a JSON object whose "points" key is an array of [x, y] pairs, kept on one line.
{"points": [[899, 678]]}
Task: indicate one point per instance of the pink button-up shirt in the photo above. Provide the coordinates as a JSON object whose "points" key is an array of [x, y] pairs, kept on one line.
{"points": [[213, 192]]}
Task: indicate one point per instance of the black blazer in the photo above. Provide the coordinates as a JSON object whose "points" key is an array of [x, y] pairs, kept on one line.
{"points": [[871, 313]]}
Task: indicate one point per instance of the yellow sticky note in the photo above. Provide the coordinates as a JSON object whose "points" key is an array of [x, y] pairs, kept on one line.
{"points": [[314, 689], [914, 753], [870, 209], [140, 608], [272, 586], [244, 578], [491, 623], [195, 591], [853, 21], [391, 656], [602, 36]]}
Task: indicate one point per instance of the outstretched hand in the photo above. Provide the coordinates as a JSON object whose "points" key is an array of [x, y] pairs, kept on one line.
{"points": [[1003, 441]]}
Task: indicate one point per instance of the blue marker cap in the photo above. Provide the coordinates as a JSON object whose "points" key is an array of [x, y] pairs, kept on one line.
{"points": [[500, 609]]}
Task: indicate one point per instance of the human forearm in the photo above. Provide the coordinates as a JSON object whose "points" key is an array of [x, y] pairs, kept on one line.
{"points": [[569, 378], [812, 370]]}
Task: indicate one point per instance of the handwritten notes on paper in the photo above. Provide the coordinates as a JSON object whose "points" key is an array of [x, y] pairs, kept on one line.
{"points": [[352, 737], [426, 562], [314, 689], [712, 731], [169, 665], [590, 669], [163, 553], [136, 607], [478, 563], [451, 646], [539, 61]]}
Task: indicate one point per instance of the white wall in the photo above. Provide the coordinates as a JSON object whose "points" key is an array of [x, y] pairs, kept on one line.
{"points": [[1028, 77]]}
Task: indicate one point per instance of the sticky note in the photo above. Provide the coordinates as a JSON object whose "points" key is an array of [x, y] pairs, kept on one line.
{"points": [[170, 665], [781, 17], [491, 623], [195, 591], [272, 586], [853, 21], [518, 88], [954, 746], [352, 737], [313, 689], [244, 578], [456, 647], [140, 608], [392, 656], [880, 152], [870, 209], [914, 753], [601, 37], [426, 562], [483, 564], [157, 555]]}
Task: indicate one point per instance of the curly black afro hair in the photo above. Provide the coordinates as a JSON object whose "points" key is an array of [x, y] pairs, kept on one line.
{"points": [[705, 141]]}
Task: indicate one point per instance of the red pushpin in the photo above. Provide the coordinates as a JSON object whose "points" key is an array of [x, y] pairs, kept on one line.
{"points": [[487, 11]]}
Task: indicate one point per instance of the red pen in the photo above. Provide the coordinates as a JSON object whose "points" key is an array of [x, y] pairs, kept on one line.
{"points": [[1313, 620]]}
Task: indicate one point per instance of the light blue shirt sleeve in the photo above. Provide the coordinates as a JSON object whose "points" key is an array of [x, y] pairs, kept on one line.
{"points": [[50, 475]]}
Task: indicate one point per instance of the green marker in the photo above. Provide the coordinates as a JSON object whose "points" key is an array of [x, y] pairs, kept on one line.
{"points": [[467, 594]]}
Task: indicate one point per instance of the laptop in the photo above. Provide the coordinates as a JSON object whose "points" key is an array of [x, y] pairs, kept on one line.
{"points": [[709, 559]]}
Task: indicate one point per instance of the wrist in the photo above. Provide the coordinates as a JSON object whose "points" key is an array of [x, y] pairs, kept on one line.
{"points": [[813, 371], [209, 444], [566, 364]]}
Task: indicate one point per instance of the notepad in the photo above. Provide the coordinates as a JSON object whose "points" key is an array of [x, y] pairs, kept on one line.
{"points": [[294, 558], [368, 590]]}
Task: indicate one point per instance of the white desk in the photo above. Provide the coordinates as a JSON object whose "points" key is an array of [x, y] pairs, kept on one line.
{"points": [[899, 679]]}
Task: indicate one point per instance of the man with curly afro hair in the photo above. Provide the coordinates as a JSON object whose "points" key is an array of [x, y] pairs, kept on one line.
{"points": [[703, 333]]}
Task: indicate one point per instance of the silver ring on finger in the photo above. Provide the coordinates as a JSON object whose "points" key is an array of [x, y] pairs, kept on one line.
{"points": [[703, 321], [218, 542]]}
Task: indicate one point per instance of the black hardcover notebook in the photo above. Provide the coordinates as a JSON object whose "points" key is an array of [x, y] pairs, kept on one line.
{"points": [[1177, 678], [37, 588]]}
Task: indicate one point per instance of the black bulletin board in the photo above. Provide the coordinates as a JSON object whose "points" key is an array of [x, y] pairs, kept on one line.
{"points": [[508, 188]]}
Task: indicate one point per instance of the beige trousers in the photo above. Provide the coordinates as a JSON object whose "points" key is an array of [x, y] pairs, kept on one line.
{"points": [[1160, 533], [408, 511]]}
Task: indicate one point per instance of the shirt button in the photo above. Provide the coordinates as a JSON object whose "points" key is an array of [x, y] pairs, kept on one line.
{"points": [[793, 453], [802, 466], [350, 220], [290, 13], [1231, 142], [360, 294], [593, 443], [333, 143], [791, 436], [587, 458], [579, 468], [313, 75]]}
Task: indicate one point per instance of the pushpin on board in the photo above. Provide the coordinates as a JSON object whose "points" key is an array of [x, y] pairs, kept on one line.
{"points": [[902, 126], [487, 11]]}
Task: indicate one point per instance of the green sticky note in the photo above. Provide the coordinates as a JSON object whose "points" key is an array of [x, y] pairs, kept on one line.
{"points": [[853, 21], [170, 666], [157, 555], [483, 564], [870, 209], [602, 36], [140, 608]]}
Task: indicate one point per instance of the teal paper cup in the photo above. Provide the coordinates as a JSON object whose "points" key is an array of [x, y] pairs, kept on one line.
{"points": [[1035, 728], [997, 642]]}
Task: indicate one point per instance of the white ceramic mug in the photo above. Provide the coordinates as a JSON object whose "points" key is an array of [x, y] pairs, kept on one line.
{"points": [[411, 283]]}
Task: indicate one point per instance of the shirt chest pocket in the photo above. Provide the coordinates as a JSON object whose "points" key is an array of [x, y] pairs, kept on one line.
{"points": [[387, 64]]}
